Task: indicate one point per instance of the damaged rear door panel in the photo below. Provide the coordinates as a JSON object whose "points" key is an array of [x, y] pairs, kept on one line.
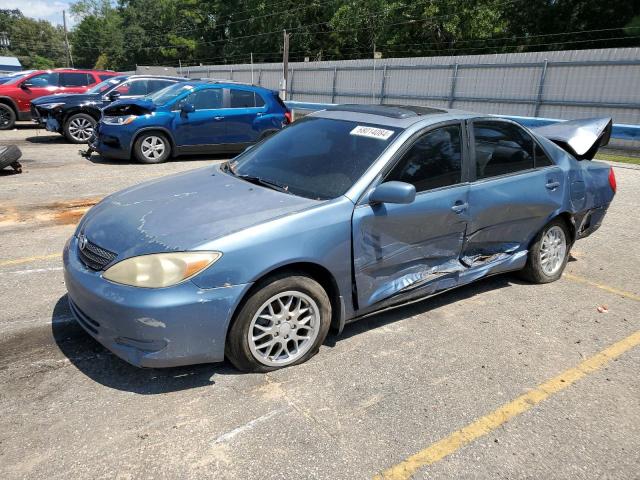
{"points": [[402, 248], [516, 191]]}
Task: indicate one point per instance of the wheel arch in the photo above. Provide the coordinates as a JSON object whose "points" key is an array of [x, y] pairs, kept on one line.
{"points": [[314, 270], [11, 103], [79, 109], [569, 220]]}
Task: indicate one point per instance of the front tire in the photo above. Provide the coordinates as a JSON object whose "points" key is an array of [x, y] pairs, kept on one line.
{"points": [[152, 147], [549, 253], [7, 117], [282, 323], [79, 128]]}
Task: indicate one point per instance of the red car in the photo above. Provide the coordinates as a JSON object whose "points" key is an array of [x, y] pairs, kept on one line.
{"points": [[16, 94]]}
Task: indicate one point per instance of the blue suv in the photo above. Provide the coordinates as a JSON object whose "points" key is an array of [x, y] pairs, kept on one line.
{"points": [[200, 116]]}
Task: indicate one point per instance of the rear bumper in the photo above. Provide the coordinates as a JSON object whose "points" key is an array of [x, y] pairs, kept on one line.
{"points": [[590, 221], [164, 327]]}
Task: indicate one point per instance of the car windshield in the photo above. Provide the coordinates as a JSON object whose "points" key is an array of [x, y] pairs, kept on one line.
{"points": [[107, 84], [167, 94], [317, 158]]}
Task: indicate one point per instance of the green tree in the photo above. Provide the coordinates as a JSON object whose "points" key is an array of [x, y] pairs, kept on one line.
{"points": [[36, 43]]}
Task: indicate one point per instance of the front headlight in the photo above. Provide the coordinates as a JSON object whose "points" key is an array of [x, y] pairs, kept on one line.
{"points": [[160, 269], [126, 120], [50, 106]]}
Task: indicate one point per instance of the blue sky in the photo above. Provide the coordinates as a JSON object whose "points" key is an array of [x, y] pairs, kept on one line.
{"points": [[41, 9]]}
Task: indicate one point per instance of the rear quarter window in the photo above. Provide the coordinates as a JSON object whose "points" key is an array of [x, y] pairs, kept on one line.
{"points": [[244, 99]]}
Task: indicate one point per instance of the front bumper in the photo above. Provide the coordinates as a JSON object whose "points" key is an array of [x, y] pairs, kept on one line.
{"points": [[164, 327], [46, 118], [111, 141]]}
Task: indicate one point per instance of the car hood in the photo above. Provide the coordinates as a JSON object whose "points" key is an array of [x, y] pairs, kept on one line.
{"points": [[135, 106], [182, 212], [76, 98]]}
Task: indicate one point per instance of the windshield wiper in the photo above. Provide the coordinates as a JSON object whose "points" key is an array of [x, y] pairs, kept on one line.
{"points": [[263, 182]]}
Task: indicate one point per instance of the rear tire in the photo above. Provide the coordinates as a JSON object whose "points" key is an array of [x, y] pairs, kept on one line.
{"points": [[7, 117], [152, 147], [79, 128], [548, 254], [283, 322]]}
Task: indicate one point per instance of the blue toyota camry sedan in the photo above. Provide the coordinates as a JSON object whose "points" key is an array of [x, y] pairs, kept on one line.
{"points": [[350, 211]]}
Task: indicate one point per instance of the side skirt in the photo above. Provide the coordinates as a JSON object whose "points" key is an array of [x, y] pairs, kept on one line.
{"points": [[211, 148]]}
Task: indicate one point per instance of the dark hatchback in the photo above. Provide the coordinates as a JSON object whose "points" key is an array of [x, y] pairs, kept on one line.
{"points": [[75, 115]]}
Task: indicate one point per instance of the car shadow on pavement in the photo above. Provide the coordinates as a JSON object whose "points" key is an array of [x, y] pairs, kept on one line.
{"points": [[46, 138], [98, 159], [99, 364]]}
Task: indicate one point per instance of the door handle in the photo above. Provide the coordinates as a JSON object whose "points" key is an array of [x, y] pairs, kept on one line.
{"points": [[259, 114], [459, 207], [218, 118], [552, 185]]}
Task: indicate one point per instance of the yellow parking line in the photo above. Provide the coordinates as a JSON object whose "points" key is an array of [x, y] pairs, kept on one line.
{"points": [[18, 261], [493, 420], [606, 288]]}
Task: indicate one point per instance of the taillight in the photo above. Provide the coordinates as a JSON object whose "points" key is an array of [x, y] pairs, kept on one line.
{"points": [[287, 116], [612, 180]]}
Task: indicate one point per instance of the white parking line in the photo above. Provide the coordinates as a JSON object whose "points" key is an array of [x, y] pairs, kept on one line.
{"points": [[32, 270], [248, 426]]}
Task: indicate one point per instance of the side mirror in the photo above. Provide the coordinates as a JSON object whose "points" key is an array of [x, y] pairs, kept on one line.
{"points": [[113, 96], [188, 108], [25, 85], [393, 192]]}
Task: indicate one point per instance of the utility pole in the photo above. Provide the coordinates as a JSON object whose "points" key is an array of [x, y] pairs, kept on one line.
{"points": [[66, 40], [251, 68], [285, 66], [4, 40]]}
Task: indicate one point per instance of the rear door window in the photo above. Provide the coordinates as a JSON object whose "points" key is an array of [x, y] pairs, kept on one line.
{"points": [[75, 79], [244, 99], [155, 85], [501, 148]]}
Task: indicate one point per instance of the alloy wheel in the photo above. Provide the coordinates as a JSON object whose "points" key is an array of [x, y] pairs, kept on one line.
{"points": [[80, 129], [553, 249], [284, 328], [5, 118], [153, 147]]}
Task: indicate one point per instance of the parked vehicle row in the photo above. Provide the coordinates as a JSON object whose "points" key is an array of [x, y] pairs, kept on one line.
{"points": [[349, 211], [17, 92], [153, 118], [76, 115]]}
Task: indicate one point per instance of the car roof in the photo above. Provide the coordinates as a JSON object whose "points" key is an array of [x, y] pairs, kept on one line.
{"points": [[226, 83], [157, 77], [402, 116]]}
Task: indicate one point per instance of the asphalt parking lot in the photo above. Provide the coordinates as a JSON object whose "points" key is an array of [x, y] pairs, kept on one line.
{"points": [[501, 379]]}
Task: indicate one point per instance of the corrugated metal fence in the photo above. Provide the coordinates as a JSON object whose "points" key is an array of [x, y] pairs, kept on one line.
{"points": [[561, 84]]}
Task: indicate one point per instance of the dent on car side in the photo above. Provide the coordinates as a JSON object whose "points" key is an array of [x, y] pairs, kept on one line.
{"points": [[375, 255]]}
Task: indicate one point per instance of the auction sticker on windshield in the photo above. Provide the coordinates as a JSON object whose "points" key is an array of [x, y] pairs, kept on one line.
{"points": [[372, 132]]}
